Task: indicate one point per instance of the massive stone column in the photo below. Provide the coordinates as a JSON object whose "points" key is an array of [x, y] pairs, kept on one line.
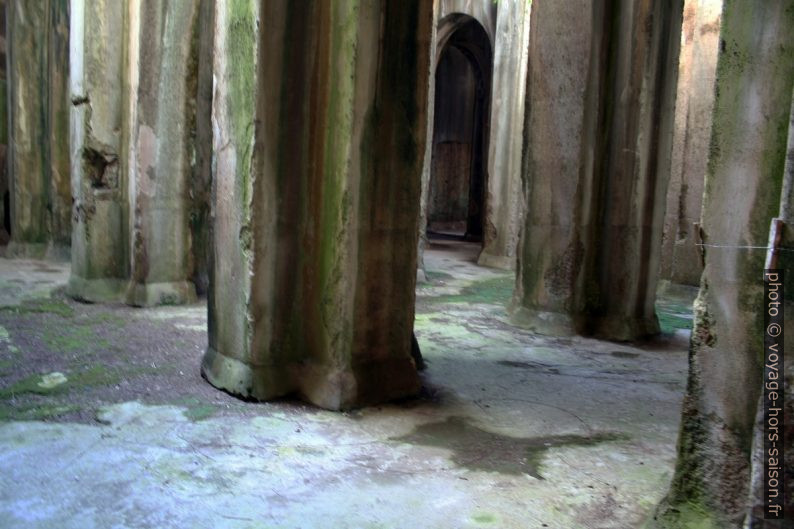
{"points": [[38, 153], [632, 139], [201, 185], [743, 189], [58, 105], [599, 123], [319, 117], [505, 201], [134, 85], [100, 249], [551, 252], [163, 118], [5, 213], [681, 259]]}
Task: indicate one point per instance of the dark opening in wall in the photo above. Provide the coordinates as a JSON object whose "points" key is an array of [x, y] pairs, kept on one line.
{"points": [[456, 202]]}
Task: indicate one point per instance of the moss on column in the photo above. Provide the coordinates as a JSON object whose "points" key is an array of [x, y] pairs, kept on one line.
{"points": [[316, 205], [755, 77]]}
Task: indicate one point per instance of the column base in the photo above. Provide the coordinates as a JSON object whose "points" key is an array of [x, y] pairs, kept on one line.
{"points": [[625, 329], [97, 290], [324, 386], [242, 379], [501, 262], [543, 322], [153, 294]]}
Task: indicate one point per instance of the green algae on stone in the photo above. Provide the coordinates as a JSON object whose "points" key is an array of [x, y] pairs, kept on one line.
{"points": [[485, 518]]}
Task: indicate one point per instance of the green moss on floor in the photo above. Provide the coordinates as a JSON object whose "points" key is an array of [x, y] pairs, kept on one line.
{"points": [[484, 518], [73, 338], [196, 409], [494, 291], [94, 376]]}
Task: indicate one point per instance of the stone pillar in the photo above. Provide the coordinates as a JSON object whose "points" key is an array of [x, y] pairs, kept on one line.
{"points": [[320, 120], [599, 118], [134, 84], [505, 199], [58, 105], [100, 249], [163, 116], [631, 167], [5, 213], [201, 186], [743, 189], [38, 153], [697, 66], [551, 252]]}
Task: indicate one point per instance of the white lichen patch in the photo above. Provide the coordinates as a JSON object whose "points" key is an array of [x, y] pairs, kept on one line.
{"points": [[52, 380]]}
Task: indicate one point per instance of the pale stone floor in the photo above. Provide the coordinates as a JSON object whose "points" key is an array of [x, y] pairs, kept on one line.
{"points": [[514, 430]]}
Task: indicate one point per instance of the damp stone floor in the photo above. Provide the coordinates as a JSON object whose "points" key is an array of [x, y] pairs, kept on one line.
{"points": [[105, 421]]}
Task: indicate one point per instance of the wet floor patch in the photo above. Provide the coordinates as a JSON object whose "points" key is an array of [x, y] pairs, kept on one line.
{"points": [[478, 449], [624, 354]]}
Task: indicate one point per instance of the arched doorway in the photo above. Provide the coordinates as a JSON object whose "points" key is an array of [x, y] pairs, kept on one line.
{"points": [[459, 159]]}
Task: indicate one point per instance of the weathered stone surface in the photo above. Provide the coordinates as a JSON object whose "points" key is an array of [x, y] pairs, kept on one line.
{"points": [[58, 105], [100, 223], [743, 189], [551, 257], [596, 154], [505, 201], [5, 213], [163, 118], [319, 129], [201, 184], [40, 198], [133, 85], [681, 255], [632, 142]]}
